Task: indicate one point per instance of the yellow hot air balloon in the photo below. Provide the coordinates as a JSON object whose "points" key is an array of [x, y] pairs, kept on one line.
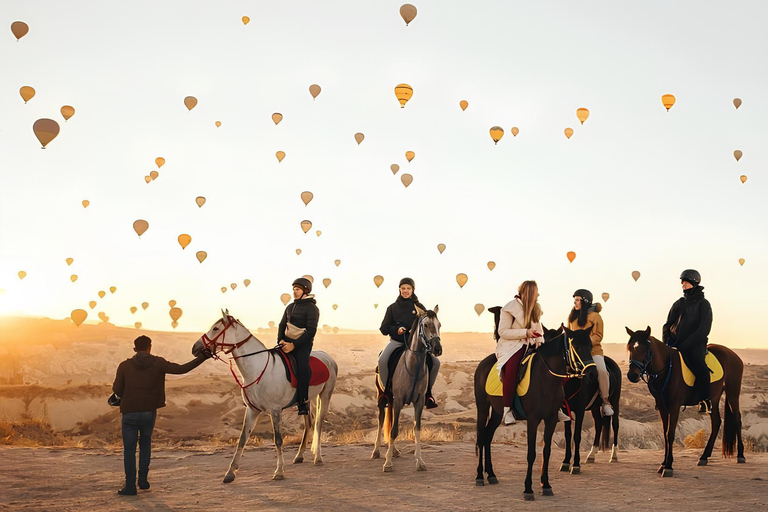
{"points": [[571, 256], [463, 104], [298, 252], [137, 325], [112, 289], [92, 304], [184, 241], [73, 277], [19, 29], [408, 13], [314, 90], [144, 305], [147, 179], [606, 296], [479, 308], [45, 130], [377, 280], [403, 92], [159, 161], [440, 248], [335, 330], [568, 132], [277, 117], [233, 285], [337, 262], [668, 100], [175, 314], [69, 261], [190, 102], [171, 303], [326, 282], [247, 282], [22, 274], [318, 232], [134, 309], [497, 133], [407, 179], [515, 130], [200, 200], [218, 124], [153, 175], [582, 114], [306, 225], [201, 255], [491, 265], [375, 306], [67, 112], [140, 227], [246, 20], [280, 155], [359, 137], [335, 307], [394, 168], [741, 261], [223, 289], [635, 275], [285, 299], [86, 203], [737, 102], [102, 293], [738, 154], [410, 155], [27, 93], [78, 316], [743, 178], [461, 279]]}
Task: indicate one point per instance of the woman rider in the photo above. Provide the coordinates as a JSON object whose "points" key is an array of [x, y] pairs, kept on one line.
{"points": [[687, 329], [296, 334], [583, 316], [397, 324]]}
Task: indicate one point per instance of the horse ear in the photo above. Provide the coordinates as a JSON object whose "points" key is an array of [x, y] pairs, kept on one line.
{"points": [[648, 331], [223, 314], [567, 330], [629, 331], [420, 311], [437, 308], [560, 329], [544, 327]]}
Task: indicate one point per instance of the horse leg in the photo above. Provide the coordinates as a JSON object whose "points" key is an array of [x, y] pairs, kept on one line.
{"points": [[417, 410], [377, 444], [576, 469], [566, 465], [549, 429], [664, 423], [671, 427], [597, 420], [532, 426], [304, 439], [276, 415], [249, 422], [482, 422], [323, 403], [493, 424], [615, 424], [733, 416], [715, 428], [392, 424]]}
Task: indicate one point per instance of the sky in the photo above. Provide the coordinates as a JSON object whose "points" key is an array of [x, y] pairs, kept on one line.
{"points": [[635, 188]]}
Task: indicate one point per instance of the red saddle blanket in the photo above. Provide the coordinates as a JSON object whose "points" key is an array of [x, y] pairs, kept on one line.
{"points": [[319, 372]]}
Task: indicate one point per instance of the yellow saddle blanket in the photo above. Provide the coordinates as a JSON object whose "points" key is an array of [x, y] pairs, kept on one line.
{"points": [[713, 364], [493, 385]]}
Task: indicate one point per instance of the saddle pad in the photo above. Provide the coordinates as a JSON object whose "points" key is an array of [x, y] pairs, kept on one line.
{"points": [[494, 387], [714, 365], [318, 371]]}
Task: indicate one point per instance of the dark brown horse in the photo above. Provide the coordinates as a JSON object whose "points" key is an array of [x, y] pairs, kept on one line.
{"points": [[561, 355], [659, 365]]}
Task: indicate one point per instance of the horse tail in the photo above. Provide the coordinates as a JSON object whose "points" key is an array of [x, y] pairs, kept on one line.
{"points": [[388, 421], [734, 372], [605, 434], [729, 432]]}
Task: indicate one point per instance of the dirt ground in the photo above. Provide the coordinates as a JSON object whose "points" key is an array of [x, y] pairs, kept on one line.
{"points": [[45, 479]]}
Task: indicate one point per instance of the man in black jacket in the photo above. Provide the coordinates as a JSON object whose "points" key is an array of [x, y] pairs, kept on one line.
{"points": [[687, 328], [304, 315]]}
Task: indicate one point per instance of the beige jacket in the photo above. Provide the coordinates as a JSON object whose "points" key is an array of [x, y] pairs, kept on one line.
{"points": [[512, 333]]}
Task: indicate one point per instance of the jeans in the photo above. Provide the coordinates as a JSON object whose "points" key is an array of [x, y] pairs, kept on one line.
{"points": [[137, 428]]}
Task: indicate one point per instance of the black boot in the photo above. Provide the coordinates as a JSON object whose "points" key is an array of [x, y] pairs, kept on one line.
{"points": [[430, 401], [143, 483], [127, 491], [303, 408]]}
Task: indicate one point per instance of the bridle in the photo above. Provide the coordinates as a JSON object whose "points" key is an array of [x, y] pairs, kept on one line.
{"points": [[644, 372], [428, 343], [574, 364]]}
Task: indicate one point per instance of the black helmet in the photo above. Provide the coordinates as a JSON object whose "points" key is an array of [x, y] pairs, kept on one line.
{"points": [[303, 283], [407, 280], [691, 276], [585, 295]]}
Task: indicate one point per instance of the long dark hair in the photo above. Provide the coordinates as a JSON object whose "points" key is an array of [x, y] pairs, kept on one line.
{"points": [[581, 314]]}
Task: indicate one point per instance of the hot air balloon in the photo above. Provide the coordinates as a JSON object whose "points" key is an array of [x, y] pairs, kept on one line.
{"points": [[112, 289], [277, 117], [335, 307], [335, 330], [280, 155], [306, 226], [743, 178], [218, 124], [635, 275], [175, 314], [67, 112], [582, 114], [403, 92], [440, 248], [153, 175], [86, 203], [326, 282], [190, 102], [461, 279], [144, 305], [147, 178], [223, 289], [69, 261], [394, 168], [22, 274], [741, 260], [246, 20], [201, 255], [247, 282], [140, 227], [92, 304], [571, 256], [375, 306], [377, 280], [497, 133], [568, 132], [318, 232], [73, 277], [515, 130], [27, 93], [668, 100], [78, 316], [233, 285], [171, 303], [19, 29], [159, 161], [184, 241], [407, 179], [103, 316], [463, 104], [738, 154], [359, 137], [408, 12], [134, 309], [479, 308], [606, 296], [311, 279], [410, 155], [314, 90], [491, 265], [174, 324], [102, 293], [200, 200], [337, 262], [298, 252], [737, 102], [137, 325], [285, 299], [45, 130]]}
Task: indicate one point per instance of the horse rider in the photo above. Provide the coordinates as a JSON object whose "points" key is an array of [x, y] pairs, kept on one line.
{"points": [[397, 324], [296, 334], [687, 328], [584, 315]]}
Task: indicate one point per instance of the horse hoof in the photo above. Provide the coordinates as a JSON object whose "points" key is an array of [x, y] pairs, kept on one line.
{"points": [[493, 480], [375, 455], [319, 462], [229, 478], [741, 460], [613, 459], [387, 469], [528, 496], [278, 477], [547, 492], [667, 473], [565, 467], [576, 470], [397, 454], [421, 467], [702, 462], [661, 469], [590, 460], [479, 482], [298, 460]]}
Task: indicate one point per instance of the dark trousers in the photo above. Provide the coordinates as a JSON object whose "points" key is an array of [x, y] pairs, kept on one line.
{"points": [[302, 370], [137, 429], [510, 377], [695, 359]]}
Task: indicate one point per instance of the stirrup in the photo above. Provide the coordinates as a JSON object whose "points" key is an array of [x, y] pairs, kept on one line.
{"points": [[705, 407]]}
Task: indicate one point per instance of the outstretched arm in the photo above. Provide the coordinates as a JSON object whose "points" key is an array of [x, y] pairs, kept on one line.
{"points": [[178, 369]]}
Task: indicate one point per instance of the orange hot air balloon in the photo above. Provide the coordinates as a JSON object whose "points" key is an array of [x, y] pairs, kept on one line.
{"points": [[582, 114], [86, 203], [92, 304], [463, 104], [479, 308], [335, 307], [359, 137], [171, 303], [403, 93], [606, 296], [497, 132], [144, 305], [102, 293], [67, 112], [27, 93], [741, 261], [112, 289], [233, 286], [377, 280], [174, 324], [461, 279], [491, 265], [78, 316], [159, 161], [247, 282], [408, 13], [134, 309], [140, 227], [306, 226], [335, 330], [19, 29], [394, 168], [311, 279], [175, 314], [668, 100], [184, 241], [743, 178], [738, 154], [223, 289], [137, 325], [440, 248], [190, 102], [285, 299], [515, 130], [218, 124], [571, 256], [410, 155], [69, 261], [201, 255], [277, 117], [153, 175], [314, 90], [147, 179], [337, 262], [45, 130], [22, 274], [737, 102], [298, 252], [200, 200], [246, 20], [407, 179], [635, 275], [280, 155], [73, 277], [318, 232], [568, 132], [326, 282]]}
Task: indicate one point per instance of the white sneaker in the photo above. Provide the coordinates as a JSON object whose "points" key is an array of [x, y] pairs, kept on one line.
{"points": [[561, 416], [607, 409], [509, 417]]}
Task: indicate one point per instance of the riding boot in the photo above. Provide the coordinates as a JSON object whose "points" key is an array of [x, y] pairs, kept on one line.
{"points": [[509, 417], [303, 408]]}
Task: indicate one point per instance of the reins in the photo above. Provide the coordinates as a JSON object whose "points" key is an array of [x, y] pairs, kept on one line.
{"points": [[643, 369], [420, 356], [574, 364]]}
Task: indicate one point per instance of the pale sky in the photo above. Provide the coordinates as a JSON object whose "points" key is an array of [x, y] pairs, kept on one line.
{"points": [[635, 188]]}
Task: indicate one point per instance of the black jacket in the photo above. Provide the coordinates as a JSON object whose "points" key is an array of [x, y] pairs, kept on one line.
{"points": [[689, 322], [401, 313], [301, 313]]}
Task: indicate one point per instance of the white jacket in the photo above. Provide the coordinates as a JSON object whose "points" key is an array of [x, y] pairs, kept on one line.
{"points": [[512, 333]]}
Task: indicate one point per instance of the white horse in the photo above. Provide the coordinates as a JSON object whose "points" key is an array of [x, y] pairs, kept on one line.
{"points": [[265, 387]]}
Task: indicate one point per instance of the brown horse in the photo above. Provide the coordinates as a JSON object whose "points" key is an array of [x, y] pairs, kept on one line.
{"points": [[659, 366]]}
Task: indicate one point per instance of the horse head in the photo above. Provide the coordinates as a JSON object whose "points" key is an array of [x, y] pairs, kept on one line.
{"points": [[639, 348], [579, 351], [429, 330], [226, 334]]}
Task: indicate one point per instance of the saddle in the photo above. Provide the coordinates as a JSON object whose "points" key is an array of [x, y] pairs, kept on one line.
{"points": [[318, 372], [715, 369], [386, 394], [494, 386]]}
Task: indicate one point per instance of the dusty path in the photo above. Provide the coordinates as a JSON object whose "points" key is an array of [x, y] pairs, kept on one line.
{"points": [[44, 479]]}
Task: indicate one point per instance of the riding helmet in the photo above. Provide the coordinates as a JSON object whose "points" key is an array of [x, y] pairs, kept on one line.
{"points": [[304, 283], [691, 276], [585, 295], [407, 280]]}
